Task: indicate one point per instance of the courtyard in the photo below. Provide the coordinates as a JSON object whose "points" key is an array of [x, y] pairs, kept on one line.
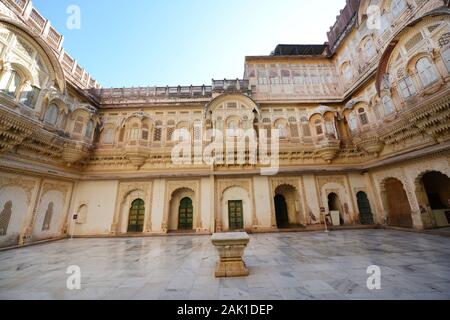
{"points": [[290, 266]]}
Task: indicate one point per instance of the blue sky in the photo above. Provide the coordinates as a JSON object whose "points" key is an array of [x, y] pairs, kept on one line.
{"points": [[183, 42]]}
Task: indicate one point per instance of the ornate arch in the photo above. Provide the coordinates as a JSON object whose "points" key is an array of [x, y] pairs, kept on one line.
{"points": [[321, 110], [243, 99], [125, 189], [56, 71], [383, 65]]}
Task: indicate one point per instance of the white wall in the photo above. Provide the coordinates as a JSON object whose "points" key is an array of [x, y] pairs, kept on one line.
{"points": [[263, 201], [159, 189], [312, 202], [205, 203], [100, 198]]}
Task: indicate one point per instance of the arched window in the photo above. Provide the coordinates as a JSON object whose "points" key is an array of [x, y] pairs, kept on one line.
{"points": [[157, 134], [170, 130], [182, 134], [121, 134], [426, 71], [51, 116], [388, 105], [89, 129], [397, 7], [293, 127], [407, 87], [352, 123], [306, 130], [78, 125], [369, 49], [29, 96], [145, 135], [363, 116], [134, 132], [282, 130], [108, 136], [232, 128], [446, 58], [319, 127], [10, 83]]}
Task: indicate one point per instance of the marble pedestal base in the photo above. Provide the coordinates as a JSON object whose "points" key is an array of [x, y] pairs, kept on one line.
{"points": [[231, 247]]}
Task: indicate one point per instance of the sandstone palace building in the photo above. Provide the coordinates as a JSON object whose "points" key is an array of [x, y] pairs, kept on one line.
{"points": [[364, 125]]}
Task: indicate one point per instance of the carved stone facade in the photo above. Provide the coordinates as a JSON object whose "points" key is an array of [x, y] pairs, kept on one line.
{"points": [[358, 117]]}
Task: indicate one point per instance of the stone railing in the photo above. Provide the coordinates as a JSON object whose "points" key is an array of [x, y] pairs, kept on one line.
{"points": [[221, 86], [35, 21], [140, 93]]}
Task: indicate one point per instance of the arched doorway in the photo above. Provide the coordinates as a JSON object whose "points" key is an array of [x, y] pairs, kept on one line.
{"points": [[182, 211], [365, 211], [186, 214], [397, 204], [436, 187], [334, 205], [281, 211], [137, 216], [287, 207]]}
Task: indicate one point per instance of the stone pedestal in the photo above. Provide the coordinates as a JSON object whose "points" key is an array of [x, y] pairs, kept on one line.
{"points": [[231, 247]]}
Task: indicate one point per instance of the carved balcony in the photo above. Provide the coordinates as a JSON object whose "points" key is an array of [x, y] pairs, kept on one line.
{"points": [[137, 154], [328, 148], [75, 152], [369, 143]]}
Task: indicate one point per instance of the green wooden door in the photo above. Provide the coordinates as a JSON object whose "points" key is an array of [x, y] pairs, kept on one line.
{"points": [[236, 215], [137, 216], [186, 215]]}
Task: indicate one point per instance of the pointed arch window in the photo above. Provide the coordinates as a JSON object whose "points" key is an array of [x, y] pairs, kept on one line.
{"points": [[388, 105], [51, 115], [426, 71]]}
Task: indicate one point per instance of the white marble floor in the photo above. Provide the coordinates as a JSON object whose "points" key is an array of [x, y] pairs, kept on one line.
{"points": [[282, 266]]}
